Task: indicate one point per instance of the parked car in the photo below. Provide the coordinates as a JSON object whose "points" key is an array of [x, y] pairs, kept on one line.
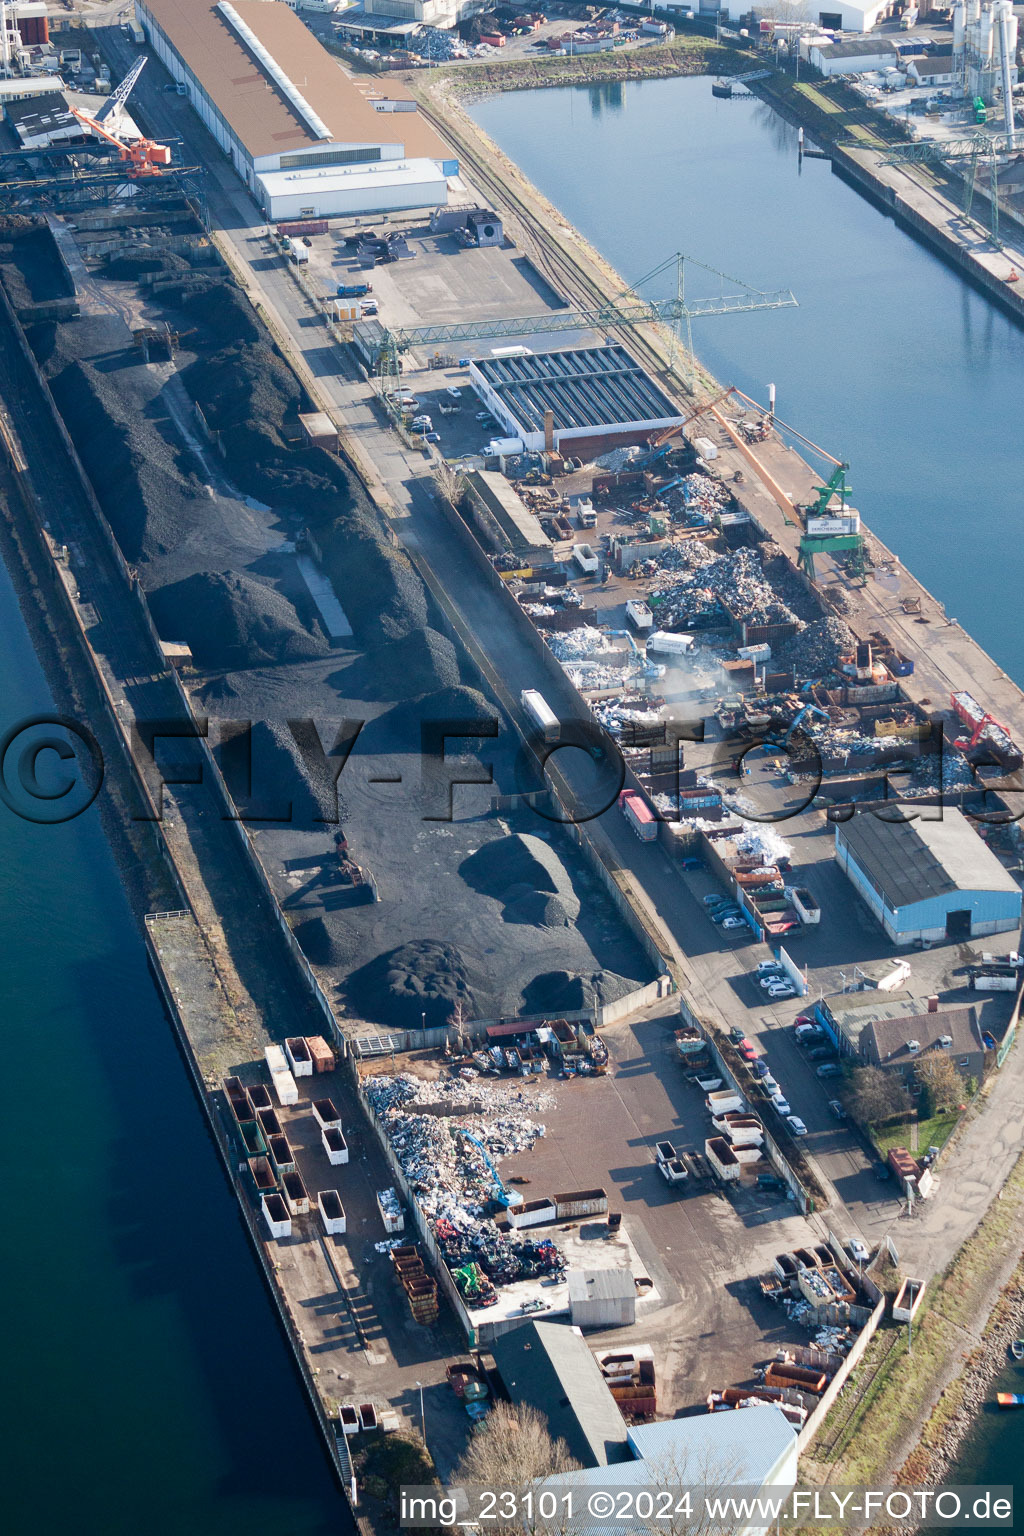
{"points": [[770, 1084], [747, 1050], [881, 1171], [760, 1068], [453, 393], [432, 437], [821, 1053], [796, 1125], [765, 967], [859, 1252], [769, 1181], [806, 1018], [781, 1104], [780, 993], [733, 923], [736, 1035], [716, 900], [830, 1069], [836, 1109]]}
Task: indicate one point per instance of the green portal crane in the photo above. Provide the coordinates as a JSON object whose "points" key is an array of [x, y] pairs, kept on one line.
{"points": [[969, 150]]}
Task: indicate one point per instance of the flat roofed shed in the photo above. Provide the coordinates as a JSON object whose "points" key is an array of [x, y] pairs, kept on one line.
{"points": [[257, 106], [591, 388]]}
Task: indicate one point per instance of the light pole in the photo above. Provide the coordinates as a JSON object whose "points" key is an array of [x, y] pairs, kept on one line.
{"points": [[423, 1421]]}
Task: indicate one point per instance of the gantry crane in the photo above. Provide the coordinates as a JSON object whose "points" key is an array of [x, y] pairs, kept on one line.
{"points": [[969, 150], [140, 157], [627, 309]]}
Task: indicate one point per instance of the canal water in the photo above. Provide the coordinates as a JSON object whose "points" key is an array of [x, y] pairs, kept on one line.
{"points": [[892, 362], [147, 1386]]}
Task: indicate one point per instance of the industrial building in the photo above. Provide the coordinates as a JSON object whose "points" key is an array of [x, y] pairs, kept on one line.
{"points": [[928, 880], [503, 520], [585, 401], [751, 1449], [40, 121], [602, 1298], [551, 1368], [307, 139], [854, 56]]}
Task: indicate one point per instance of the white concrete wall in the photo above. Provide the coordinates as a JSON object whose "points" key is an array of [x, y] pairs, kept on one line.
{"points": [[339, 202]]}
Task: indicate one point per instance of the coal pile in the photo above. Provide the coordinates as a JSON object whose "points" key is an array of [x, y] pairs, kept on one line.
{"points": [[131, 265], [557, 992], [291, 781], [421, 662], [816, 650], [229, 620], [518, 869], [150, 490], [423, 979], [376, 584], [315, 941], [31, 265], [224, 310]]}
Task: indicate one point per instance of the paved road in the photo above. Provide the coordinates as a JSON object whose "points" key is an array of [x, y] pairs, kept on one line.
{"points": [[711, 971]]}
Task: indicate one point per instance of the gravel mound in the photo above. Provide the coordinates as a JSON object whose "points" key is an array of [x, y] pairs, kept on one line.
{"points": [[31, 265], [555, 992], [516, 868], [316, 942], [130, 265], [816, 650], [539, 908], [375, 582], [232, 621], [224, 310], [150, 489], [283, 773], [422, 978]]}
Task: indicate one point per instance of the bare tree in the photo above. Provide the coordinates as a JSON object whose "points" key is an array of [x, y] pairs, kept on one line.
{"points": [[943, 1086], [512, 1448], [449, 484], [875, 1096], [695, 1477]]}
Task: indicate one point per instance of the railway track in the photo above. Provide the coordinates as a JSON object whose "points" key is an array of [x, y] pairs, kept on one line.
{"points": [[568, 276], [850, 1400]]}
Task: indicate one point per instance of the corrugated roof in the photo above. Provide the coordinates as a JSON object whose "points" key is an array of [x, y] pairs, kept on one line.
{"points": [[592, 387], [550, 1367], [865, 47], [601, 1284], [912, 861], [258, 111]]}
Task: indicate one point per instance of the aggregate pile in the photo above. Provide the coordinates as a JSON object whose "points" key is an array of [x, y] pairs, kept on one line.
{"points": [[151, 490], [526, 874], [557, 992], [450, 1179], [697, 582], [420, 662], [231, 620], [31, 265], [423, 981], [289, 772]]}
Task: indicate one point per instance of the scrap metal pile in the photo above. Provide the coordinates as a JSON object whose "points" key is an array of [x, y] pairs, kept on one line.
{"points": [[817, 649], [591, 660], [449, 1177], [700, 588]]}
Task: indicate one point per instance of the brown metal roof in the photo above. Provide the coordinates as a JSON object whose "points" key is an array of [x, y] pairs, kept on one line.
{"points": [[258, 112]]}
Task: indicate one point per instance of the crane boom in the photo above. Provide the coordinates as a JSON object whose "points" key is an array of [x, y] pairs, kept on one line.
{"points": [[502, 1193], [141, 156], [119, 96]]}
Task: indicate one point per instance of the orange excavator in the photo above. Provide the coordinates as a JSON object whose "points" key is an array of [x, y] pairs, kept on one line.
{"points": [[141, 157]]}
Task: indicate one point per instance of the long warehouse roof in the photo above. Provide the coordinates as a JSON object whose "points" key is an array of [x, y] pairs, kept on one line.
{"points": [[256, 106], [594, 387], [911, 861]]}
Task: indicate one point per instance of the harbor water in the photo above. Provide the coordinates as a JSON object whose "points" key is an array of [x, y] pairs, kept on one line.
{"points": [[892, 362], [148, 1385]]}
